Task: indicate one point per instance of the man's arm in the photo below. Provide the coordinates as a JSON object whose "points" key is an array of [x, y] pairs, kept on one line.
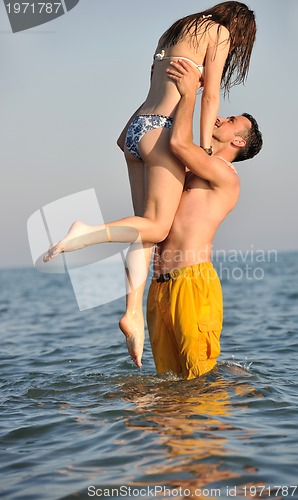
{"points": [[181, 143]]}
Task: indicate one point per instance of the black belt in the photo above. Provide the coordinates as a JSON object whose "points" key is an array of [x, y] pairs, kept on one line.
{"points": [[162, 278]]}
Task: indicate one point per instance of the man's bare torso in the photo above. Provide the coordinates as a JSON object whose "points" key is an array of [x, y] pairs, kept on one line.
{"points": [[201, 210]]}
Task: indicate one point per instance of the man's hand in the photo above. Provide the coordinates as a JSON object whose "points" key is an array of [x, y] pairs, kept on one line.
{"points": [[187, 77]]}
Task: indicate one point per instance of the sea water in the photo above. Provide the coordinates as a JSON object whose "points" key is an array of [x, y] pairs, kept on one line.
{"points": [[79, 420]]}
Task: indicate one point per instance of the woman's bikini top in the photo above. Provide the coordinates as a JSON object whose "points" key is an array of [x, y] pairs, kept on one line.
{"points": [[162, 55]]}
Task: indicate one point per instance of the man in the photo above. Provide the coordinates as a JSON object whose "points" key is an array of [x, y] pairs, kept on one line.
{"points": [[184, 307]]}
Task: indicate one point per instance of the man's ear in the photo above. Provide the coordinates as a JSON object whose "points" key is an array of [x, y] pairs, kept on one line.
{"points": [[238, 142]]}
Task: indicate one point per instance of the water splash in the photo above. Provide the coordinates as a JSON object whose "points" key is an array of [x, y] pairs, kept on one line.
{"points": [[238, 367]]}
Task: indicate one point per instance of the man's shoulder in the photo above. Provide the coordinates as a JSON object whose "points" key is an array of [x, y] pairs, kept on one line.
{"points": [[226, 174]]}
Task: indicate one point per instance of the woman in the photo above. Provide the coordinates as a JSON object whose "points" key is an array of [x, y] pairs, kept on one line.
{"points": [[219, 42]]}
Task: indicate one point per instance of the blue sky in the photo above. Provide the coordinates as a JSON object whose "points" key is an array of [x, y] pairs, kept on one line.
{"points": [[68, 87]]}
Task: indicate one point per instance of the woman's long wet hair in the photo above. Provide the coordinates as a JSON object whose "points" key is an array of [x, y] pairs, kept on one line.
{"points": [[238, 19]]}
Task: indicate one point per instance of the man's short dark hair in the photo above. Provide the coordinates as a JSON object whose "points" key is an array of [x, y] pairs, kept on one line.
{"points": [[253, 138]]}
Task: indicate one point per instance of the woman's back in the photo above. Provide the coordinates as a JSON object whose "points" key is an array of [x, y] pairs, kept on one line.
{"points": [[163, 95], [227, 27]]}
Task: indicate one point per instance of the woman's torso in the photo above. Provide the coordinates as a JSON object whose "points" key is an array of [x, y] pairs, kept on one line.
{"points": [[163, 95]]}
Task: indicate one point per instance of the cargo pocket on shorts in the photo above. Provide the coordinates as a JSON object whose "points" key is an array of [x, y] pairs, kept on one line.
{"points": [[211, 333]]}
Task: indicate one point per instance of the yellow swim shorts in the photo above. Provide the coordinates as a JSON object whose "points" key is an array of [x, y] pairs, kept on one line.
{"points": [[184, 316]]}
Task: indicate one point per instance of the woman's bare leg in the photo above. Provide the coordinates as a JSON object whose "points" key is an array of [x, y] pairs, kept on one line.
{"points": [[132, 322], [165, 176], [165, 183], [138, 184]]}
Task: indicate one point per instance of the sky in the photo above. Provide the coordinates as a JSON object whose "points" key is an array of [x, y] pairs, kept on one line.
{"points": [[69, 86]]}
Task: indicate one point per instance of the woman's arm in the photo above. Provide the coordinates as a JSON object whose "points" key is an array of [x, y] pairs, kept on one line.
{"points": [[216, 54], [181, 145]]}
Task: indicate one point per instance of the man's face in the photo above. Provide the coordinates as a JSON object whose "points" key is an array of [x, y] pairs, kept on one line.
{"points": [[226, 129]]}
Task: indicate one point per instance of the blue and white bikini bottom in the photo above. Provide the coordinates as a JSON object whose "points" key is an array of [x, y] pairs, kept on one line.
{"points": [[140, 126]]}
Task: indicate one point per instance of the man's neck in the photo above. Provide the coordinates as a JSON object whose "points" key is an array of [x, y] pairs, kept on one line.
{"points": [[223, 153]]}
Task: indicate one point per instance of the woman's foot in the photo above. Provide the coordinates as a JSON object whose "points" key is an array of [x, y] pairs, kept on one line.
{"points": [[132, 325], [72, 241]]}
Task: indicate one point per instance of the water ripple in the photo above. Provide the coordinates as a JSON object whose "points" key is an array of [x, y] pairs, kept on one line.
{"points": [[76, 412]]}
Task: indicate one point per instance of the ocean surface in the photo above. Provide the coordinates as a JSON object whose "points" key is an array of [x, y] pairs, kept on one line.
{"points": [[79, 420]]}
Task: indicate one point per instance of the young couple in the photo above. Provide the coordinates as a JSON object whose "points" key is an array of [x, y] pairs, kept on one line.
{"points": [[181, 192]]}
